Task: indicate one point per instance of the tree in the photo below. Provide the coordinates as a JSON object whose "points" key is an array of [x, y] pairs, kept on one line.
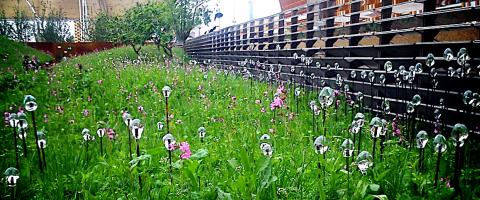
{"points": [[22, 30], [54, 28], [101, 28], [161, 19], [136, 28], [5, 27], [187, 15]]}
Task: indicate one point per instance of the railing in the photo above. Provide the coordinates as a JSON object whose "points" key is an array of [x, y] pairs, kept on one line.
{"points": [[360, 36]]}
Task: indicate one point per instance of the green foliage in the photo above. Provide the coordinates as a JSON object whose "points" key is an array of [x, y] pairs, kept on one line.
{"points": [[5, 27], [103, 28], [53, 28], [188, 14], [22, 29], [228, 164], [11, 68]]}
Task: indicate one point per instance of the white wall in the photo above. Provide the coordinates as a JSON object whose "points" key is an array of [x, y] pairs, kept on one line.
{"points": [[237, 11]]}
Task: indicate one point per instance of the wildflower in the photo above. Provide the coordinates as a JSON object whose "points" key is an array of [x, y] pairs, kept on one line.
{"points": [[263, 110], [336, 93], [172, 146], [277, 103], [234, 98], [85, 112], [45, 118], [140, 109], [271, 130], [179, 122], [185, 148], [280, 89], [258, 101], [6, 116], [111, 134], [100, 81], [291, 116], [265, 93], [89, 99]]}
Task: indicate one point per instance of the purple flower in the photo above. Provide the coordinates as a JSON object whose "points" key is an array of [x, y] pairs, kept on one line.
{"points": [[280, 89], [6, 116], [85, 112], [111, 134], [277, 103], [185, 148], [336, 93]]}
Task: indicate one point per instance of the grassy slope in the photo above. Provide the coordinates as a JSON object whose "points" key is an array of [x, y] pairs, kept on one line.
{"points": [[15, 52], [234, 163], [12, 54]]}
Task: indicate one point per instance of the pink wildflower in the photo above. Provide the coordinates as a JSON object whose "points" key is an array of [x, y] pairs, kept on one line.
{"points": [[263, 110], [85, 112], [171, 147], [6, 116], [280, 89], [234, 98], [89, 99], [185, 148], [111, 134], [336, 93], [277, 103], [100, 81]]}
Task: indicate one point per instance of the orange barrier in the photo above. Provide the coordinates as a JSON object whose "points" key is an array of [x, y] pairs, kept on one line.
{"points": [[60, 50]]}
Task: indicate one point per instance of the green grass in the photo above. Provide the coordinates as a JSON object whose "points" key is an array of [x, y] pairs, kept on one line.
{"points": [[228, 164], [12, 54]]}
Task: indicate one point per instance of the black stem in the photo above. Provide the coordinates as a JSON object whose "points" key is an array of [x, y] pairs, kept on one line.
{"points": [[130, 143], [313, 123], [323, 124], [456, 176], [437, 168], [382, 146], [16, 148], [22, 131], [170, 161], [36, 141], [359, 140], [353, 152], [43, 157], [138, 155], [166, 112]]}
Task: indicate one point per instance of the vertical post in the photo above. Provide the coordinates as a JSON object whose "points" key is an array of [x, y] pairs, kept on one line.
{"points": [[36, 141], [16, 149]]}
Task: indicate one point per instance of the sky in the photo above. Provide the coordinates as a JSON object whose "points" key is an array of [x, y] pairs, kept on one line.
{"points": [[238, 11]]}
